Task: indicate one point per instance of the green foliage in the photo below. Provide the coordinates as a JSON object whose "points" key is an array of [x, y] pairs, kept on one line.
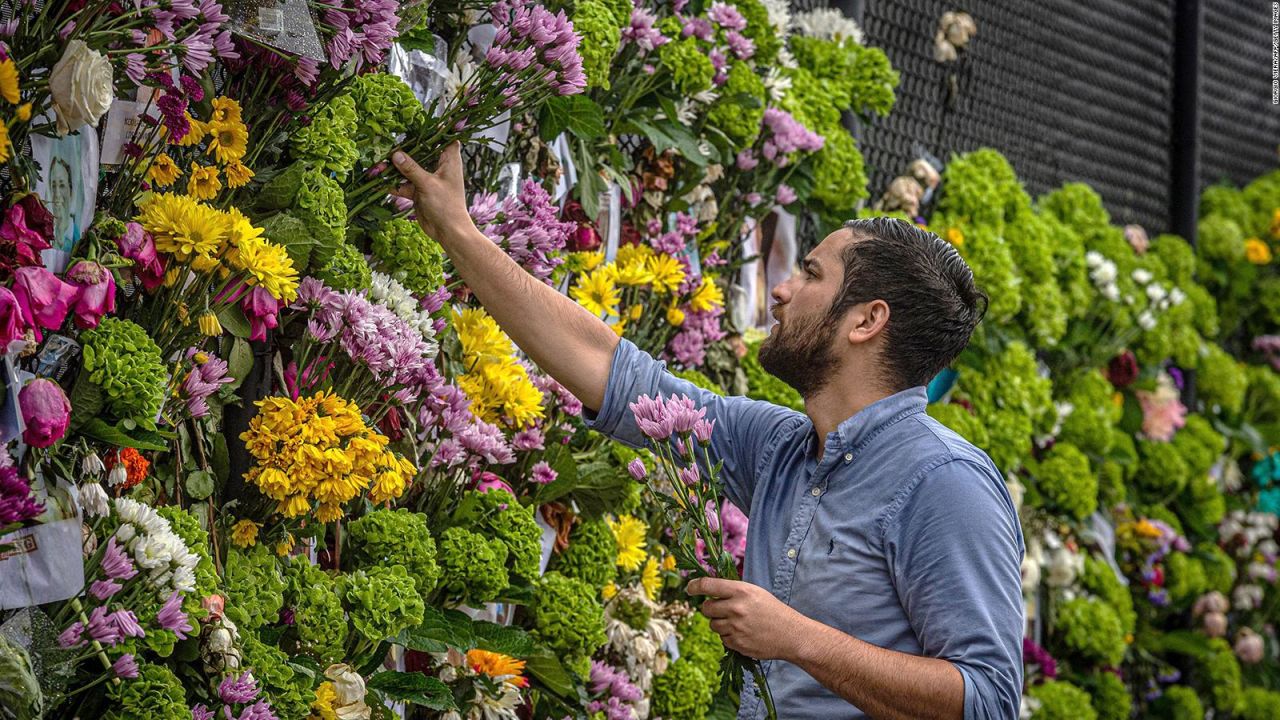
{"points": [[591, 555], [254, 585], [740, 107], [963, 422], [1061, 701], [1161, 470], [1183, 577], [600, 31], [1110, 697], [386, 108], [982, 190], [1011, 399], [681, 692], [404, 252], [122, 359], [1030, 239], [1221, 379], [1090, 426], [690, 69], [1179, 702], [288, 691], [1222, 676], [700, 644], [1260, 704], [1219, 568], [473, 569], [346, 270], [1202, 505], [20, 694], [1091, 630], [498, 514], [839, 178], [1066, 482], [567, 616], [1220, 239], [328, 143], [155, 693], [381, 601], [395, 537], [1099, 579], [318, 616]]}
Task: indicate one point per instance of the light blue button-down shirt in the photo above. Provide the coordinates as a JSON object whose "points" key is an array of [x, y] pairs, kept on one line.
{"points": [[902, 534]]}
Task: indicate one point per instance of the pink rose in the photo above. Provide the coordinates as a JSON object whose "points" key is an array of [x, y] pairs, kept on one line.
{"points": [[45, 411], [97, 292], [20, 239], [261, 309], [11, 324], [136, 245], [43, 299]]}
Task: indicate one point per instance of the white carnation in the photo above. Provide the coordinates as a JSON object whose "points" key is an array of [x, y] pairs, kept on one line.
{"points": [[828, 24]]}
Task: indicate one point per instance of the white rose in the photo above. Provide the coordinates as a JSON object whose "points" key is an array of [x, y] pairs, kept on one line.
{"points": [[80, 84]]}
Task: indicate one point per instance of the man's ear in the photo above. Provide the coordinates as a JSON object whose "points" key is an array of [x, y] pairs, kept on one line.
{"points": [[867, 320]]}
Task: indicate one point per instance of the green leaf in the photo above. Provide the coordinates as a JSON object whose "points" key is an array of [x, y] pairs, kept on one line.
{"points": [[413, 688], [547, 668], [86, 402], [503, 639], [439, 631], [1185, 642], [100, 430], [220, 459], [596, 486], [240, 363], [576, 114], [286, 230], [234, 321], [200, 484]]}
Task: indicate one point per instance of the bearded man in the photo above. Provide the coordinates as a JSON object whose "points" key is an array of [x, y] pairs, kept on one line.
{"points": [[883, 553]]}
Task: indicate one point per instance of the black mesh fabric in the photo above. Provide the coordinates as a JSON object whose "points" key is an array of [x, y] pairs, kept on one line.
{"points": [[1068, 91]]}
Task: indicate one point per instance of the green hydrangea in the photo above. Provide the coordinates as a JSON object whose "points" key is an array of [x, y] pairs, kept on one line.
{"points": [[473, 569], [1077, 205], [961, 421], [1111, 487], [186, 526], [1099, 579], [981, 189], [812, 102], [621, 10], [700, 644], [498, 514], [1091, 630], [395, 537], [860, 77], [381, 601], [1221, 379], [566, 615], [1110, 697], [1066, 481], [288, 691], [591, 555], [329, 142], [991, 260], [405, 252], [1178, 257], [318, 617], [759, 30], [254, 585], [1219, 567], [839, 178], [1184, 578], [1222, 675], [1061, 701], [1220, 239], [1030, 238], [738, 111], [1178, 702], [1262, 398], [1162, 472], [600, 31], [125, 363], [681, 692], [1202, 504], [1263, 197], [346, 270], [763, 386], [1260, 704], [312, 197], [1090, 426], [386, 108], [691, 71], [155, 693], [1012, 400], [1225, 201]]}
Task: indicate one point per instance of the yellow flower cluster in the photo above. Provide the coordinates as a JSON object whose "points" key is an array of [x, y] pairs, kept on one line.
{"points": [[11, 92], [226, 139], [319, 449], [1257, 251], [209, 239], [600, 286], [630, 534], [496, 383]]}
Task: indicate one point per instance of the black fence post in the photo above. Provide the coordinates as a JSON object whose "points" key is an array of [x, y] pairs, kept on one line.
{"points": [[1184, 141]]}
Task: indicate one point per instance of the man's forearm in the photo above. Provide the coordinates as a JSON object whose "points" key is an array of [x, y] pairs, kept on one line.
{"points": [[885, 684], [561, 337]]}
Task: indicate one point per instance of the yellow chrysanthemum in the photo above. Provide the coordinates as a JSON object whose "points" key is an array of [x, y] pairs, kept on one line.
{"points": [[1256, 251], [500, 390], [630, 534], [675, 316], [238, 174], [203, 183], [596, 292], [245, 533], [667, 272], [650, 578], [632, 274], [619, 328], [634, 254], [225, 110], [480, 336], [322, 706], [609, 591], [585, 261], [669, 563], [9, 89], [707, 296], [24, 112], [163, 171], [494, 665], [228, 141], [267, 264], [6, 145], [190, 231], [285, 546]]}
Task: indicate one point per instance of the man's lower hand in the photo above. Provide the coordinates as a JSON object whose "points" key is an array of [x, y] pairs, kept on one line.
{"points": [[749, 619]]}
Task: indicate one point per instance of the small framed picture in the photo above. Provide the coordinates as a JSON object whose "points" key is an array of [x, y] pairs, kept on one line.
{"points": [[68, 185]]}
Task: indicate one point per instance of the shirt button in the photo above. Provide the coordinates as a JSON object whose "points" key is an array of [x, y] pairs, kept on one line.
{"points": [[848, 457], [791, 553], [816, 491]]}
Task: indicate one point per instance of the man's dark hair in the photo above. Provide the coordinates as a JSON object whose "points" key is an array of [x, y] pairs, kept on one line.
{"points": [[934, 304]]}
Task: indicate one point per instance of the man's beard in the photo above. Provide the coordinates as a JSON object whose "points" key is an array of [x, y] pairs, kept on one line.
{"points": [[800, 354]]}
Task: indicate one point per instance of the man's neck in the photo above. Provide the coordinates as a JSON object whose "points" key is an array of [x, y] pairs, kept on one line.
{"points": [[840, 400]]}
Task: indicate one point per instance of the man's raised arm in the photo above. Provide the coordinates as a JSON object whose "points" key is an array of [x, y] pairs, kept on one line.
{"points": [[567, 342]]}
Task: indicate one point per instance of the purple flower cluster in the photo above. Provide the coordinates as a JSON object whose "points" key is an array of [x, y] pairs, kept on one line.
{"points": [[659, 419], [362, 29], [1033, 654], [468, 441], [1269, 345], [16, 502], [527, 226], [734, 530], [616, 690], [783, 135], [700, 329], [569, 404], [197, 29], [727, 16], [534, 48], [207, 374], [642, 33]]}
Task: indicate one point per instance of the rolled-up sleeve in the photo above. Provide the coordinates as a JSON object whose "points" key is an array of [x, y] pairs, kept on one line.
{"points": [[744, 427], [955, 548]]}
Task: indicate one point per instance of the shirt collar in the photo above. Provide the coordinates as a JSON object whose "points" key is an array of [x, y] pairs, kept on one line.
{"points": [[856, 430]]}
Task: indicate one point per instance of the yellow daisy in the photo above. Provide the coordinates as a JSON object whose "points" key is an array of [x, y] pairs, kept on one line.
{"points": [[24, 112], [9, 89], [225, 110], [203, 183], [675, 316], [1256, 251], [238, 174], [632, 274], [707, 296], [609, 590], [228, 141], [245, 533], [163, 171], [651, 579], [955, 237], [630, 534], [667, 272], [597, 293], [6, 145]]}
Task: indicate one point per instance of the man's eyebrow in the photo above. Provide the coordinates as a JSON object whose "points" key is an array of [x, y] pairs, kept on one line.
{"points": [[811, 264]]}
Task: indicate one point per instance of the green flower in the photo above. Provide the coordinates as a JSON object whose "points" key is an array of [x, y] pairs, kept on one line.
{"points": [[498, 514], [122, 360], [1262, 398], [386, 108], [566, 615], [839, 179], [1222, 676], [318, 616], [1099, 579], [1091, 630], [701, 645], [1111, 699], [346, 270], [740, 108], [1061, 701], [1030, 238], [329, 142], [1161, 470], [396, 537], [1202, 504], [1090, 426], [1184, 578], [289, 692], [600, 31], [316, 217], [1260, 704], [406, 253], [1227, 202], [381, 601], [1066, 481], [1079, 206], [683, 691], [1178, 257], [1220, 239], [473, 569], [255, 588], [961, 421], [1221, 379], [982, 189], [1178, 702], [1011, 400], [860, 77], [591, 555], [691, 71], [759, 30], [1219, 568], [155, 693]]}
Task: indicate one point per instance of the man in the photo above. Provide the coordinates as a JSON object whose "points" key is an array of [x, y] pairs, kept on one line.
{"points": [[882, 569]]}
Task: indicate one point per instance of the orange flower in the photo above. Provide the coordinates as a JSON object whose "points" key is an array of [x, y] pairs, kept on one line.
{"points": [[497, 666], [135, 466]]}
